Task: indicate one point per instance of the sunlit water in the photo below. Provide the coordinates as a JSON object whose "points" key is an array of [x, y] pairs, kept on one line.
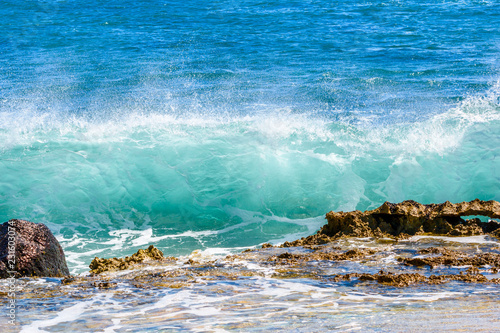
{"points": [[221, 126], [250, 293]]}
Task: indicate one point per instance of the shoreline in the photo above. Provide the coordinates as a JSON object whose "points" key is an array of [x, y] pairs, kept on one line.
{"points": [[311, 278], [390, 223]]}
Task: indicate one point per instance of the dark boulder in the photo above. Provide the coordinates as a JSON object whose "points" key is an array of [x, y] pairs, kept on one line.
{"points": [[30, 249]]}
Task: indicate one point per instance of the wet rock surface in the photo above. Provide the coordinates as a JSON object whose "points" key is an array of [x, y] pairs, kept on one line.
{"points": [[30, 249], [453, 258], [100, 265], [408, 218], [346, 263], [343, 262], [337, 255], [407, 279], [411, 217], [391, 223], [392, 257]]}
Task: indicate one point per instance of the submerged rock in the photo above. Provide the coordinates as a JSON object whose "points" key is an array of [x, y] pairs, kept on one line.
{"points": [[99, 265], [453, 258], [407, 279], [30, 249], [335, 255]]}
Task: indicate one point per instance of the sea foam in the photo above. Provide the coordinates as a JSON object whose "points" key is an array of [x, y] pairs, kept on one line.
{"points": [[200, 181]]}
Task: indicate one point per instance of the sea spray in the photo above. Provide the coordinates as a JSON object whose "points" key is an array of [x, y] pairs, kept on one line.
{"points": [[191, 183], [207, 128]]}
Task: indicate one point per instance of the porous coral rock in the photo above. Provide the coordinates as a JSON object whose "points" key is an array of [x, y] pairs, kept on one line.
{"points": [[411, 217], [99, 265]]}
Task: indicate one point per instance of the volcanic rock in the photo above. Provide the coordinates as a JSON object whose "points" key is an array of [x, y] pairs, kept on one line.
{"points": [[30, 249]]}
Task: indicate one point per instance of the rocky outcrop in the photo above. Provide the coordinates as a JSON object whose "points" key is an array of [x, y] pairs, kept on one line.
{"points": [[99, 265], [30, 249], [290, 258], [410, 217], [453, 258], [407, 279]]}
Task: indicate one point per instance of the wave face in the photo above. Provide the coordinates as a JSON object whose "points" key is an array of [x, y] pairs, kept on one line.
{"points": [[201, 183], [222, 126]]}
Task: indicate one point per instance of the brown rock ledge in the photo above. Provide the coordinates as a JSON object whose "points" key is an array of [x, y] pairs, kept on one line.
{"points": [[407, 279], [453, 258], [408, 218], [99, 265]]}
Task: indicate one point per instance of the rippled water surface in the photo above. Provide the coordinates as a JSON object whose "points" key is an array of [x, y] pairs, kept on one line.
{"points": [[250, 292], [218, 126]]}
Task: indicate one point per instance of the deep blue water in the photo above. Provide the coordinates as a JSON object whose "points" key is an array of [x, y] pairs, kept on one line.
{"points": [[194, 124]]}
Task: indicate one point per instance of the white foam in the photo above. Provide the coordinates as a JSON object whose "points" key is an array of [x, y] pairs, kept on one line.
{"points": [[281, 288], [436, 134], [116, 326], [481, 239], [425, 297], [67, 315]]}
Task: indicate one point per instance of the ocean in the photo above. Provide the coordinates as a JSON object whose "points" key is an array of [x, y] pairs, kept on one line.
{"points": [[220, 126]]}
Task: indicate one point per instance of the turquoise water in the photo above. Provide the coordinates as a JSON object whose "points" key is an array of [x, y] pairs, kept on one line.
{"points": [[194, 125]]}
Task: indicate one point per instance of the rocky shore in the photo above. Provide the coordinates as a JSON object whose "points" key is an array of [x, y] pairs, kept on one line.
{"points": [[388, 226], [360, 242]]}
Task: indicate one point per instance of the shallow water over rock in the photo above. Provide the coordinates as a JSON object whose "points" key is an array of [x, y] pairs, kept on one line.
{"points": [[278, 289]]}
